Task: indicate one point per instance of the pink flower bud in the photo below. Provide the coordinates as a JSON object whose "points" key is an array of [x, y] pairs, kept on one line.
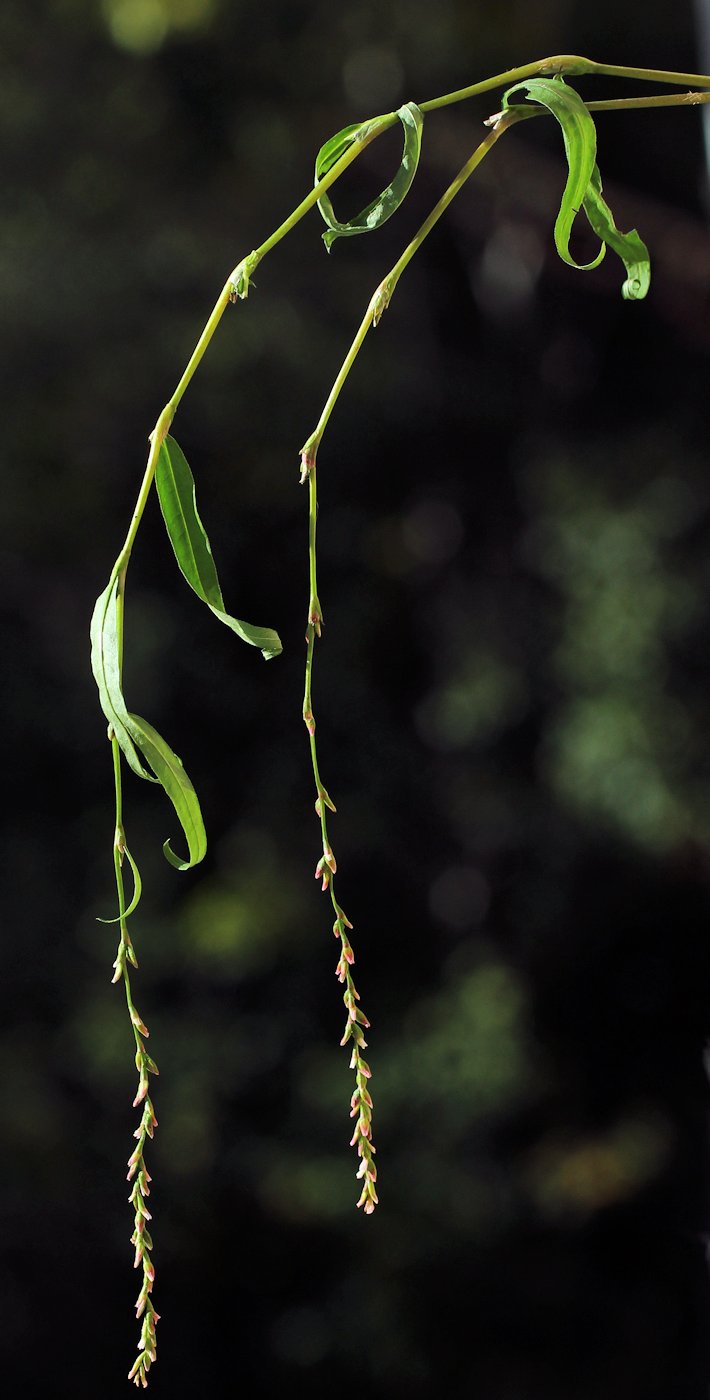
{"points": [[138, 1023], [142, 1091]]}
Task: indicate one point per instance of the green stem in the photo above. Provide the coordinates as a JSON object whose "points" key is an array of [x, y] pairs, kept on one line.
{"points": [[237, 283], [369, 133], [564, 65], [382, 297], [361, 1101], [666, 99]]}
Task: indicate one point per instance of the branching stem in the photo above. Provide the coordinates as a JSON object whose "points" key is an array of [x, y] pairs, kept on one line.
{"points": [[237, 287]]}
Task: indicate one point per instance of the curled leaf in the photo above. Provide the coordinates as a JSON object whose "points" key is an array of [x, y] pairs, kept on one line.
{"points": [[171, 775], [176, 491], [139, 742], [386, 204], [629, 246], [580, 138], [106, 666]]}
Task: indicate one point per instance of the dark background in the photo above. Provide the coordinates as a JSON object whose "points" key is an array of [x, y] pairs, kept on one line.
{"points": [[512, 696]]}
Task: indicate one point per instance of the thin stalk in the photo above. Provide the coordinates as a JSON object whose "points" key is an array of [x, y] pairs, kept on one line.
{"points": [[361, 1101], [564, 65], [665, 99], [382, 297], [237, 284], [141, 1238], [357, 1022], [369, 133]]}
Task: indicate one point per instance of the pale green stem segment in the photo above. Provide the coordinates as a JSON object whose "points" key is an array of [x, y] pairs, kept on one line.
{"points": [[237, 285], [382, 297], [565, 65], [665, 99]]}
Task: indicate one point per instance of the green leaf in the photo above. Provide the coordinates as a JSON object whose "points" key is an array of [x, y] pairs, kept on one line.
{"points": [[336, 147], [137, 890], [176, 491], [171, 775], [630, 247], [135, 734], [106, 666], [580, 140], [390, 199]]}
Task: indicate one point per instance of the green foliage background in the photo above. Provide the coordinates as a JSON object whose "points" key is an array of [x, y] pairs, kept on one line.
{"points": [[512, 692]]}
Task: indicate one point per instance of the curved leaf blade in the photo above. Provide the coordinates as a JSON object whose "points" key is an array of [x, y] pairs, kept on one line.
{"points": [[379, 210], [106, 666], [630, 247], [137, 891], [171, 775], [336, 147], [188, 537], [580, 138]]}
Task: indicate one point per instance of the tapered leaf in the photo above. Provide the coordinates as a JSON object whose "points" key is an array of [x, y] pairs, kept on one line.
{"points": [[382, 208], [171, 775], [176, 492], [580, 140], [106, 666], [630, 247], [135, 734]]}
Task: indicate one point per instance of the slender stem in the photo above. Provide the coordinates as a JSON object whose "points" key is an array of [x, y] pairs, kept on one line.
{"points": [[507, 120], [237, 283], [345, 368], [666, 99], [564, 64], [648, 75], [369, 132], [361, 1101], [382, 297]]}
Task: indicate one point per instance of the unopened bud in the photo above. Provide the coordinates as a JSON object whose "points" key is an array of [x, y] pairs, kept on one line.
{"points": [[137, 1022], [142, 1091]]}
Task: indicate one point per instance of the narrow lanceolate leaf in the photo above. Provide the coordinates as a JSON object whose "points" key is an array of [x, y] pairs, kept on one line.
{"points": [[106, 666], [176, 491], [629, 246], [171, 775], [390, 199], [580, 140], [135, 736]]}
